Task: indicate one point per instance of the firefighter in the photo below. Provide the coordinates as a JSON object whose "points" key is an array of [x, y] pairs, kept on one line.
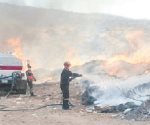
{"points": [[30, 79], [66, 77]]}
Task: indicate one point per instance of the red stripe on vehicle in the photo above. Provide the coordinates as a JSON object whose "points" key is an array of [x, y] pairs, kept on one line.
{"points": [[10, 67]]}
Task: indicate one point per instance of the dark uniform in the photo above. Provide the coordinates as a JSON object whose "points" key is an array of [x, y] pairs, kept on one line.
{"points": [[66, 77], [30, 79]]}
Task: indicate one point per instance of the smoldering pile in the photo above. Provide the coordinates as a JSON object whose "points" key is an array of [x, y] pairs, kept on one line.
{"points": [[129, 110], [88, 97], [141, 113]]}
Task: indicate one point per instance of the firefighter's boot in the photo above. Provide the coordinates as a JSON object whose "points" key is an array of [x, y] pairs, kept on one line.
{"points": [[65, 105]]}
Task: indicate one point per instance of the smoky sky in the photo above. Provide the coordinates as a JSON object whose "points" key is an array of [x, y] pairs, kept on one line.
{"points": [[137, 9], [55, 4], [50, 37]]}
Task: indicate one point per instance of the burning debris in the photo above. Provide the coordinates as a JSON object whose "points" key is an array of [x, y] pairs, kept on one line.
{"points": [[130, 111], [139, 113], [139, 92], [133, 108], [115, 109], [15, 45], [130, 59], [89, 96]]}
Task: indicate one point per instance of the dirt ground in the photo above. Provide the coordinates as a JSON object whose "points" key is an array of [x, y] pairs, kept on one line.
{"points": [[38, 110]]}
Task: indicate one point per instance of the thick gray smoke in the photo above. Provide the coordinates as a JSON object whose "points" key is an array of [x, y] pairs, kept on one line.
{"points": [[35, 3], [50, 37], [49, 4], [119, 47]]}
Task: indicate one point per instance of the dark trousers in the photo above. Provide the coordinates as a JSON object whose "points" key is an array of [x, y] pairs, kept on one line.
{"points": [[30, 84], [65, 92]]}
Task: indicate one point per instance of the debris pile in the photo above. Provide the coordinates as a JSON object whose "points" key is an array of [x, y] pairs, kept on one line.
{"points": [[91, 94], [87, 98], [115, 109], [140, 113], [133, 103]]}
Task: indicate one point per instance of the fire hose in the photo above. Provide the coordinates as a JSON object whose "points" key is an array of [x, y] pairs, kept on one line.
{"points": [[5, 108]]}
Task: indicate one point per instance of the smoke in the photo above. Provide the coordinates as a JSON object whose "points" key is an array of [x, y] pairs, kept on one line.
{"points": [[113, 91], [49, 52], [15, 46], [48, 38], [118, 46], [114, 7], [53, 4]]}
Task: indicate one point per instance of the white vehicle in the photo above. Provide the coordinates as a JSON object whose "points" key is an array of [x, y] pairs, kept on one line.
{"points": [[11, 76]]}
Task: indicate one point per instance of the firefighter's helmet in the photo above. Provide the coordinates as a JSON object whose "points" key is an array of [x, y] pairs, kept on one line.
{"points": [[67, 64], [28, 66]]}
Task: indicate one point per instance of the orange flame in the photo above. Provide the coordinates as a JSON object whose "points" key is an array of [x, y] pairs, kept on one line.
{"points": [[16, 47], [73, 57], [139, 55], [140, 51], [135, 38]]}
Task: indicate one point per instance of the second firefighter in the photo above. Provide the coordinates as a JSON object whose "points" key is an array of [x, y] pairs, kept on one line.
{"points": [[66, 77], [30, 79]]}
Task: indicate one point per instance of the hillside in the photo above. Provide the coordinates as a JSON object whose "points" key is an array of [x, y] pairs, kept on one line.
{"points": [[58, 35]]}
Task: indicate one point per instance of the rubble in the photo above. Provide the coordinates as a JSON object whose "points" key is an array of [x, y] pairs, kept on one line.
{"points": [[141, 113], [90, 94], [87, 98], [136, 105], [115, 109]]}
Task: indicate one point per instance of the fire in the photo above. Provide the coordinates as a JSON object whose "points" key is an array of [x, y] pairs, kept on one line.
{"points": [[135, 38], [121, 65], [73, 57], [16, 47], [140, 51], [138, 55]]}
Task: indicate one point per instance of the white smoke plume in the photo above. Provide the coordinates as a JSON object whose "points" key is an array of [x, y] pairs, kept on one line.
{"points": [[50, 37]]}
